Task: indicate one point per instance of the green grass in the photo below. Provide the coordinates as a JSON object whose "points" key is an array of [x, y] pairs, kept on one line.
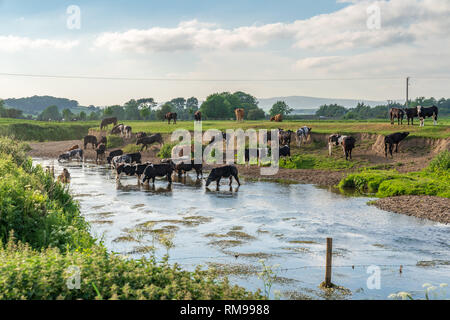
{"points": [[310, 161], [433, 180]]}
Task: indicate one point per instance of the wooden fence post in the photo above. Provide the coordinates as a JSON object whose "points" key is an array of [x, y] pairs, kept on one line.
{"points": [[328, 283]]}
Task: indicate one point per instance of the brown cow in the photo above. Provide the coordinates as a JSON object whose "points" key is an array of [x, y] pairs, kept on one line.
{"points": [[198, 116], [239, 114], [277, 118], [108, 121], [171, 116], [75, 147]]}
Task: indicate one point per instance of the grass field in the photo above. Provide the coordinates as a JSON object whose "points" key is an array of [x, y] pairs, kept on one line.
{"points": [[327, 127], [55, 131]]}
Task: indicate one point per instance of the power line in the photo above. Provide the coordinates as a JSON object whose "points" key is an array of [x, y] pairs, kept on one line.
{"points": [[84, 77]]}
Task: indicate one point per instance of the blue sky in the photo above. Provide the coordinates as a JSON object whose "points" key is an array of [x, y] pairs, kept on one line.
{"points": [[246, 39]]}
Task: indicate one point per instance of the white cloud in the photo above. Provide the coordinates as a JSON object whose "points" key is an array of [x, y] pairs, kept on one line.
{"points": [[403, 21], [14, 44]]}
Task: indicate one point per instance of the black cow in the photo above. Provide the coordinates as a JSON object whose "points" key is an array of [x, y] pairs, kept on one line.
{"points": [[135, 157], [285, 151], [140, 135], [146, 141], [223, 172], [90, 139], [100, 152], [285, 137], [392, 139], [159, 170], [423, 113], [113, 154], [411, 113], [78, 153], [182, 168]]}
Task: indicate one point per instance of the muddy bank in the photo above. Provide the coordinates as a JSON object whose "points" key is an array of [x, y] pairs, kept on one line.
{"points": [[424, 207]]}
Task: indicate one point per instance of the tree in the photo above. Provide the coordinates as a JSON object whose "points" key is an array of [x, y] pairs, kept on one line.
{"points": [[82, 116], [280, 107], [132, 110], [50, 113], [256, 114], [331, 111], [192, 105], [215, 107], [67, 115]]}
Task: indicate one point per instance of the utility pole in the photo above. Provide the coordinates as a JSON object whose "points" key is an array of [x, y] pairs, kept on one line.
{"points": [[407, 92]]}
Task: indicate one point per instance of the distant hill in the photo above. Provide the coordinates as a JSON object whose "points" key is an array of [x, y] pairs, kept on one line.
{"points": [[36, 104], [301, 102]]}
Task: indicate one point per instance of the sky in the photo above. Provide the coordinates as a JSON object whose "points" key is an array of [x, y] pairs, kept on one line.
{"points": [[355, 49]]}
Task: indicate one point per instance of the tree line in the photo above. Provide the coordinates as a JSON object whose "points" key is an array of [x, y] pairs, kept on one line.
{"points": [[362, 111]]}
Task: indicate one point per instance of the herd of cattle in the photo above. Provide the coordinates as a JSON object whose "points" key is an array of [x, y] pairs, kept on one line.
{"points": [[131, 164]]}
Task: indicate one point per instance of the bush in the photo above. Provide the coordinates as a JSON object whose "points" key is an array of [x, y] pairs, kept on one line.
{"points": [[166, 150], [441, 163], [114, 142], [29, 274]]}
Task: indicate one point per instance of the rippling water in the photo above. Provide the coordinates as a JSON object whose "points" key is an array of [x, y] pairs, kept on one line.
{"points": [[285, 224]]}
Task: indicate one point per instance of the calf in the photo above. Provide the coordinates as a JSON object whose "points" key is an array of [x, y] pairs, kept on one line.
{"points": [[113, 154], [78, 153], [285, 151], [223, 172], [100, 152], [182, 168], [392, 139], [396, 113], [303, 135], [90, 139], [159, 170], [411, 113], [427, 113], [146, 141]]}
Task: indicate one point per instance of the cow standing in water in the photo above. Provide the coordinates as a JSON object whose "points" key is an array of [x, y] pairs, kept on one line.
{"points": [[223, 172], [427, 113]]}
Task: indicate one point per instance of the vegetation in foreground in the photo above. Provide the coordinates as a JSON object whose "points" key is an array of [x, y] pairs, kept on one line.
{"points": [[44, 242], [433, 180]]}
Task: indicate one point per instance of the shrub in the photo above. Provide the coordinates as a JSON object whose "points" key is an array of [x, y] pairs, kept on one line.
{"points": [[114, 141], [440, 163], [30, 274], [166, 150]]}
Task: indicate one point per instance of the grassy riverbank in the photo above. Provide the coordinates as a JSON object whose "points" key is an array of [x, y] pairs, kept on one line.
{"points": [[432, 181], [44, 242]]}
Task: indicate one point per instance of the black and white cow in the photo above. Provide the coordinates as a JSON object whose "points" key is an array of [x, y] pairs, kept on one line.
{"points": [[131, 170], [423, 113], [77, 153], [347, 143], [113, 154], [285, 151], [303, 135]]}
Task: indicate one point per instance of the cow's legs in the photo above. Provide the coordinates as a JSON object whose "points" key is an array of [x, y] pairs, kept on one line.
{"points": [[330, 147], [396, 148], [237, 179], [231, 180]]}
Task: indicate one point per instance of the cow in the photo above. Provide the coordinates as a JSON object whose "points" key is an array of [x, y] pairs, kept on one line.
{"points": [[159, 170], [411, 113], [423, 113], [183, 168], [100, 152], [117, 129], [78, 153], [64, 177], [90, 140], [396, 113], [108, 121], [135, 157], [118, 160], [277, 118], [285, 137], [103, 140], [131, 170], [285, 151], [126, 131], [198, 116], [216, 174], [146, 141], [74, 147], [302, 134], [347, 143], [171, 116], [112, 154], [240, 113], [141, 135], [392, 139]]}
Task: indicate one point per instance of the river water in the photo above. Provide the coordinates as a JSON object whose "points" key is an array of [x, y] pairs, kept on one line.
{"points": [[286, 224]]}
